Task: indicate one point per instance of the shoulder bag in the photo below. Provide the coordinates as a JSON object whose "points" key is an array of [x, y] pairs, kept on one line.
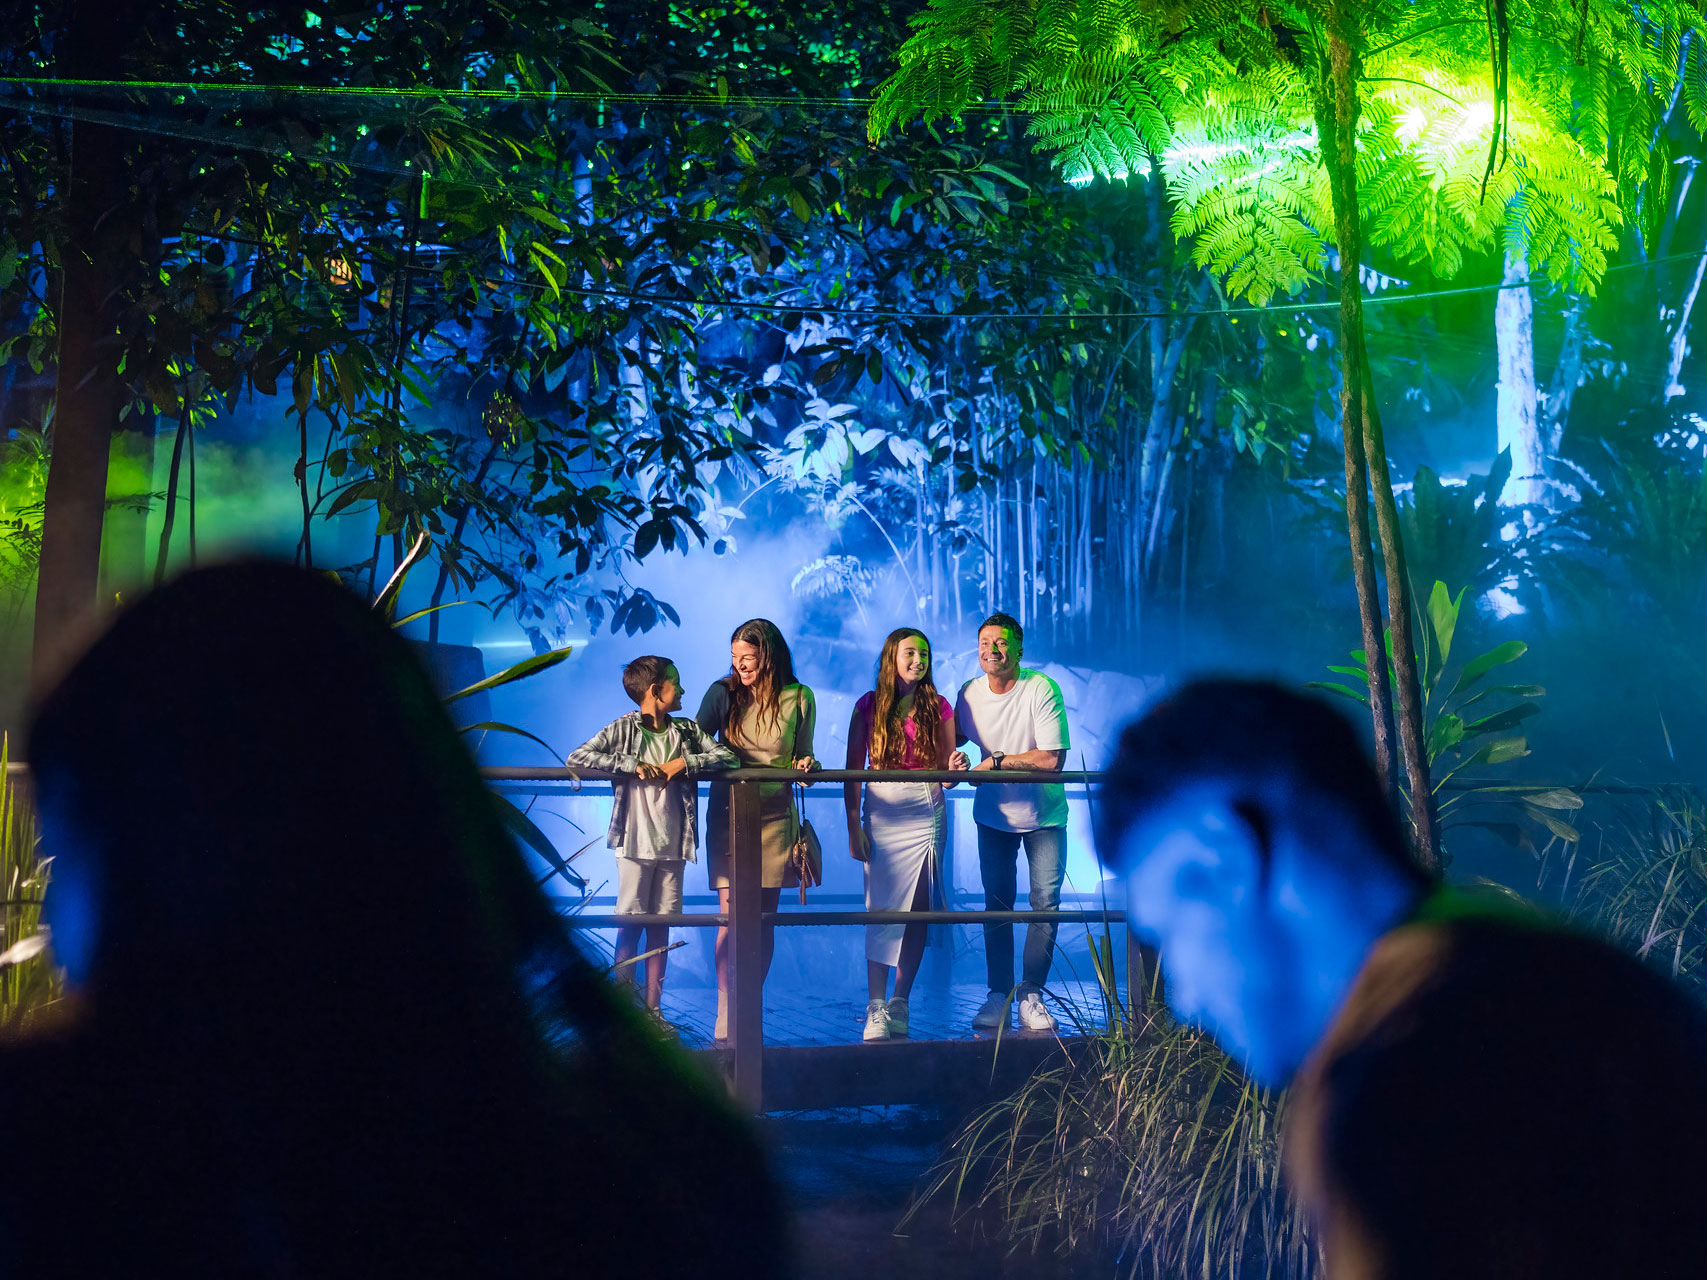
{"points": [[807, 856]]}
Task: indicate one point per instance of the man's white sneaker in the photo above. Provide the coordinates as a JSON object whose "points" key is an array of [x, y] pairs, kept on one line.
{"points": [[897, 1009], [877, 1021], [992, 1013], [1033, 1016]]}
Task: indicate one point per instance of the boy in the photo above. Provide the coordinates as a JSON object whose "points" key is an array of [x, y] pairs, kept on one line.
{"points": [[654, 820]]}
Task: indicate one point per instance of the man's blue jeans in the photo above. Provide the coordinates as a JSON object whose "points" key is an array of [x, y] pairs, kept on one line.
{"points": [[998, 858]]}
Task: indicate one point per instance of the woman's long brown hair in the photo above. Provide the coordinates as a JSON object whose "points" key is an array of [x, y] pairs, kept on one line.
{"points": [[888, 726], [776, 673]]}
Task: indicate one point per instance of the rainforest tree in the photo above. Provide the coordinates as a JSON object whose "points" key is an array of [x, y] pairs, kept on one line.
{"points": [[1291, 135]]}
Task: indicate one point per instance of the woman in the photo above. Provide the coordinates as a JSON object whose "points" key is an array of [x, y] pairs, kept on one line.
{"points": [[326, 1024], [766, 717], [904, 723]]}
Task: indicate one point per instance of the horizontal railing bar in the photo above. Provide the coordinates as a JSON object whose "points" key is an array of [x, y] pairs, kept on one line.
{"points": [[713, 919], [986, 777], [706, 899], [977, 777], [509, 776]]}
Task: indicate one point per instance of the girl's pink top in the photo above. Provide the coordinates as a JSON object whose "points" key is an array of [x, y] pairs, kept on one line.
{"points": [[910, 758]]}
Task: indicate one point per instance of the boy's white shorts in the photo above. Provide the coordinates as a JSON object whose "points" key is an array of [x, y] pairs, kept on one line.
{"points": [[652, 887]]}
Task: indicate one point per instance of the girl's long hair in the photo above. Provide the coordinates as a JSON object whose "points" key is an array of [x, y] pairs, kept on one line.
{"points": [[888, 725], [776, 673]]}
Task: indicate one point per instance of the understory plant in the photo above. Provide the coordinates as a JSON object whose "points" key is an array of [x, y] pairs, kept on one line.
{"points": [[1144, 1146], [1644, 884], [520, 825], [1470, 725], [28, 980]]}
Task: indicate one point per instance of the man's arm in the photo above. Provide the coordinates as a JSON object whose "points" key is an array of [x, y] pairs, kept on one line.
{"points": [[1050, 730], [1037, 759], [962, 715]]}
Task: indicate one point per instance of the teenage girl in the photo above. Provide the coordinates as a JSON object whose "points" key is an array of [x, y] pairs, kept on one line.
{"points": [[904, 723]]}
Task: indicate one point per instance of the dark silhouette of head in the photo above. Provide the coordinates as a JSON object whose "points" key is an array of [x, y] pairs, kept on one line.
{"points": [[1226, 804], [338, 1026]]}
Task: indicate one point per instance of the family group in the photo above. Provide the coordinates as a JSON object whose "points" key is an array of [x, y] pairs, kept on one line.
{"points": [[760, 716]]}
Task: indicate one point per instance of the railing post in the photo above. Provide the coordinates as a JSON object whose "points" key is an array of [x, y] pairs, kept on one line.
{"points": [[746, 946]]}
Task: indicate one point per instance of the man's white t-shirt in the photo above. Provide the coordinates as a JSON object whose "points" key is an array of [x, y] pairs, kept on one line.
{"points": [[654, 827], [1029, 717]]}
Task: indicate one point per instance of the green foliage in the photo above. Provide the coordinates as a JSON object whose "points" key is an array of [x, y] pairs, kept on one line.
{"points": [[520, 825], [1470, 725], [1645, 884], [1549, 147], [1452, 532], [1146, 1150], [1640, 535], [28, 980]]}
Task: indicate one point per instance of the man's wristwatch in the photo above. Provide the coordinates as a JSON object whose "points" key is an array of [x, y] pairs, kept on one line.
{"points": [[996, 758]]}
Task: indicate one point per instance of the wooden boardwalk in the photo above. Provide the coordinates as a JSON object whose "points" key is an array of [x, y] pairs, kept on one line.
{"points": [[794, 1017], [815, 1056]]}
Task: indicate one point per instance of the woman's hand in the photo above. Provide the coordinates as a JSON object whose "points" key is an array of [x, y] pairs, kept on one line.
{"points": [[959, 760], [859, 844], [805, 764]]}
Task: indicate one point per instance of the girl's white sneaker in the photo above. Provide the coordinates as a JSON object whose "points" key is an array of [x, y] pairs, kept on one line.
{"points": [[876, 1020]]}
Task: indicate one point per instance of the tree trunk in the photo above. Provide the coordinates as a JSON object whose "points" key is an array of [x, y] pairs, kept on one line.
{"points": [[1555, 402], [1409, 686], [1678, 347], [1363, 427], [88, 390], [169, 515], [1336, 122], [1517, 425]]}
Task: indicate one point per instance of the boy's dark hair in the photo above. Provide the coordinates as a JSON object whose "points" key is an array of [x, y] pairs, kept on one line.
{"points": [[643, 674], [1000, 619], [1248, 732]]}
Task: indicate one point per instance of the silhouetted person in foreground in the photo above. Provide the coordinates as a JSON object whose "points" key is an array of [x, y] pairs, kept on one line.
{"points": [[1475, 1092], [327, 1023]]}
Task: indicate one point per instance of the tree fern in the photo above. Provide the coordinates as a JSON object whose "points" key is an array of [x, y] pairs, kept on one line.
{"points": [[1212, 93]]}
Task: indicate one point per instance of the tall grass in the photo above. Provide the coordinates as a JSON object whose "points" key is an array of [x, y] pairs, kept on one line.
{"points": [[1145, 1149], [28, 980], [1643, 883]]}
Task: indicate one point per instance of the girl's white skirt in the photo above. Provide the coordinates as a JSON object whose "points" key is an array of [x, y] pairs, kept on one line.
{"points": [[907, 823]]}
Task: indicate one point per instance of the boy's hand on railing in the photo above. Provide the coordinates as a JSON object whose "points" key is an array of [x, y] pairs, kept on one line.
{"points": [[672, 768], [649, 772], [859, 844]]}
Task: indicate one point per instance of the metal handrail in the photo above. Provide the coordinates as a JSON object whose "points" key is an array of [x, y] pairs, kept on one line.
{"points": [[976, 777], [716, 919]]}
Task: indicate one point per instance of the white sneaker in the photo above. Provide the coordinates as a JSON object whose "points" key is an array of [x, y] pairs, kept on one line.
{"points": [[877, 1021], [897, 1009], [1033, 1016], [993, 1013]]}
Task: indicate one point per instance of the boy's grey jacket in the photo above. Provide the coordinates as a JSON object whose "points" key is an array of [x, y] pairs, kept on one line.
{"points": [[616, 748]]}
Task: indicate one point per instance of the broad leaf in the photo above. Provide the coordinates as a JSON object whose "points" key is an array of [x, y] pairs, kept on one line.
{"points": [[1443, 618], [1498, 656], [521, 671], [524, 829], [498, 726]]}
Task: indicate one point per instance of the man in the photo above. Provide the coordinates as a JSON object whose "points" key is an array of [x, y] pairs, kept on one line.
{"points": [[1476, 1093], [1018, 722]]}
